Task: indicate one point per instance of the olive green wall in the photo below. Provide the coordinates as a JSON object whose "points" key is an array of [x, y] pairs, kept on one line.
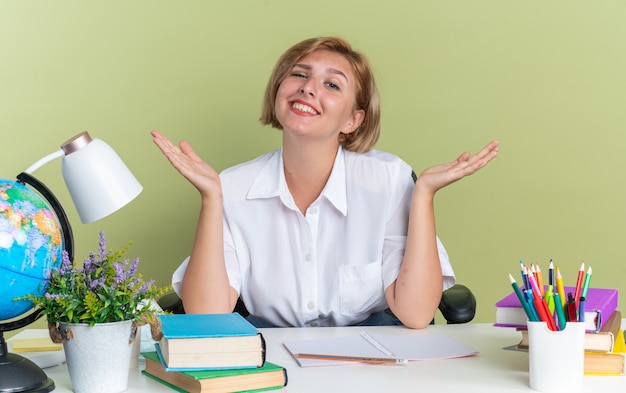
{"points": [[546, 78]]}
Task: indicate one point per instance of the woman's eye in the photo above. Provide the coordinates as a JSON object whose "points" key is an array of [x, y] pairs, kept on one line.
{"points": [[298, 75], [332, 85]]}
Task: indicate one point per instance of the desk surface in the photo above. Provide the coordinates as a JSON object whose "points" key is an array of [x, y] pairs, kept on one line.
{"points": [[493, 370]]}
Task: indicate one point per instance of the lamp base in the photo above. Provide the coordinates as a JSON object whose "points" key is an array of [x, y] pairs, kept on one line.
{"points": [[21, 375]]}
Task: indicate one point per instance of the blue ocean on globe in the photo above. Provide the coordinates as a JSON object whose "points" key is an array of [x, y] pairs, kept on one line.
{"points": [[30, 246]]}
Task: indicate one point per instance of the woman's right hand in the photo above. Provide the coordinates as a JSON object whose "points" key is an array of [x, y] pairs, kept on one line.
{"points": [[439, 176], [187, 162], [205, 286]]}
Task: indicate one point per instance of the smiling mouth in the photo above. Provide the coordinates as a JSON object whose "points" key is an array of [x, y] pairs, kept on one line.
{"points": [[304, 108]]}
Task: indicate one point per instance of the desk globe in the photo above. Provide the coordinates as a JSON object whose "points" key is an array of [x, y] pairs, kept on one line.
{"points": [[31, 244]]}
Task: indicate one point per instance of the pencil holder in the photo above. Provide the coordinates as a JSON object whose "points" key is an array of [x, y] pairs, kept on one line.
{"points": [[556, 358]]}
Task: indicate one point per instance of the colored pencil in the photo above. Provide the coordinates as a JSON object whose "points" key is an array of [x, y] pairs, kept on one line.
{"points": [[579, 283], [560, 288], [522, 299]]}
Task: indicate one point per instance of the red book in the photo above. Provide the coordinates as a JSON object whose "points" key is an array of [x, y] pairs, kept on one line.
{"points": [[599, 306]]}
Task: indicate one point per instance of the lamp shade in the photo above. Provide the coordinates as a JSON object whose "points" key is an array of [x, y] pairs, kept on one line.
{"points": [[98, 180]]}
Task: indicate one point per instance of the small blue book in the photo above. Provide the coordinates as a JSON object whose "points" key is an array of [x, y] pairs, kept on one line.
{"points": [[209, 341]]}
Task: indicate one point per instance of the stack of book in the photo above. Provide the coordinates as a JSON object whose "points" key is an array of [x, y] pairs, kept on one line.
{"points": [[605, 349], [599, 306], [612, 362], [212, 353]]}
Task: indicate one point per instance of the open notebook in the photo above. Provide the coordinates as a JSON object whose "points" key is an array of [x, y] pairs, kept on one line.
{"points": [[398, 349]]}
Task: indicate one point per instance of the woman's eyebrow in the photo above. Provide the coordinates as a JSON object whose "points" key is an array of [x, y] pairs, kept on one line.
{"points": [[299, 65], [337, 72], [330, 70]]}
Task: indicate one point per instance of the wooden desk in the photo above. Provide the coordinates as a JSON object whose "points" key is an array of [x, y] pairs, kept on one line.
{"points": [[493, 370]]}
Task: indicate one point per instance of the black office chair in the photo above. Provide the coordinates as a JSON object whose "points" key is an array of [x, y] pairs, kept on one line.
{"points": [[457, 305]]}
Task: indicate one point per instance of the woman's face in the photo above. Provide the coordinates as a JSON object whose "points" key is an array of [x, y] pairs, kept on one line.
{"points": [[317, 98]]}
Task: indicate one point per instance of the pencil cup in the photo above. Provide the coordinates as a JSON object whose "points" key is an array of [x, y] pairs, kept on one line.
{"points": [[556, 358]]}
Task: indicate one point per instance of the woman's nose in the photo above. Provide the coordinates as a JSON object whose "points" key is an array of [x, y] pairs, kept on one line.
{"points": [[308, 87]]}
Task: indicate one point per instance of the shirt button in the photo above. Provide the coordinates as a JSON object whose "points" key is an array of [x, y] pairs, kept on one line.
{"points": [[313, 324], [313, 210], [308, 257], [310, 305]]}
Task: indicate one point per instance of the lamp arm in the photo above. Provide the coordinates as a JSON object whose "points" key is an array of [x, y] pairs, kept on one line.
{"points": [[66, 228], [44, 161]]}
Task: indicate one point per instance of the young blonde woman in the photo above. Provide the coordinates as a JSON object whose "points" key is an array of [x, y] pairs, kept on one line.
{"points": [[324, 231]]}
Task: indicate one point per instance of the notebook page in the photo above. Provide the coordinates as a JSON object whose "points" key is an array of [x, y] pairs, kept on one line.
{"points": [[343, 346], [422, 347]]}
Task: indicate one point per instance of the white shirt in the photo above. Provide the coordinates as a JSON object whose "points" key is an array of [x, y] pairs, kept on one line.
{"points": [[331, 266]]}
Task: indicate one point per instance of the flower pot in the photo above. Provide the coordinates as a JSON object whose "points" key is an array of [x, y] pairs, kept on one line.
{"points": [[98, 357]]}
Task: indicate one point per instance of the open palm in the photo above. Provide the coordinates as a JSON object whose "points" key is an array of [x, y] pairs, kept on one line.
{"points": [[439, 176], [189, 164]]}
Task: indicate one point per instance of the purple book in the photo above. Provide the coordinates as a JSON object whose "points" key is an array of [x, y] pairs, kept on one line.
{"points": [[599, 306]]}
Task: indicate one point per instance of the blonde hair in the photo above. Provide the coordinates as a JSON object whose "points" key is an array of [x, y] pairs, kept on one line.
{"points": [[366, 135]]}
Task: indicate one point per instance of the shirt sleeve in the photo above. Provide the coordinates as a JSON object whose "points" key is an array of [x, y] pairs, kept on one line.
{"points": [[391, 268], [232, 268], [395, 239], [446, 268], [177, 277]]}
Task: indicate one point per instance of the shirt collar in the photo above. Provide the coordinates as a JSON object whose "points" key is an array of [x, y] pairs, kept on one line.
{"points": [[335, 190], [271, 182], [270, 179]]}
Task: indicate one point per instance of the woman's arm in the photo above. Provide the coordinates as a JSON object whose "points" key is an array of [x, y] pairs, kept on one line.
{"points": [[205, 286], [415, 294]]}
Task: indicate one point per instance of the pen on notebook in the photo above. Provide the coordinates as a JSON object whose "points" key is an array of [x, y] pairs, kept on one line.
{"points": [[521, 298], [359, 359], [579, 283]]}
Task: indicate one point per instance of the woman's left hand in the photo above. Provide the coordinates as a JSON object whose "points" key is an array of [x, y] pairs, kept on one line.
{"points": [[439, 176]]}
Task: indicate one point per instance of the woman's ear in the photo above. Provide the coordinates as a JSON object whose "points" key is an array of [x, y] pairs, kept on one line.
{"points": [[354, 122]]}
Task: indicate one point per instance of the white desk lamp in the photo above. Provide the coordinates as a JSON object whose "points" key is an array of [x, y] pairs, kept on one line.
{"points": [[97, 179], [99, 184]]}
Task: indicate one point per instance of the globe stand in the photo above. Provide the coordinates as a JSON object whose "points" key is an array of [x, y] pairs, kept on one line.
{"points": [[20, 375]]}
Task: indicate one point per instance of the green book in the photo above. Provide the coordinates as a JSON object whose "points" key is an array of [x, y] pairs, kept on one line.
{"points": [[270, 376]]}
